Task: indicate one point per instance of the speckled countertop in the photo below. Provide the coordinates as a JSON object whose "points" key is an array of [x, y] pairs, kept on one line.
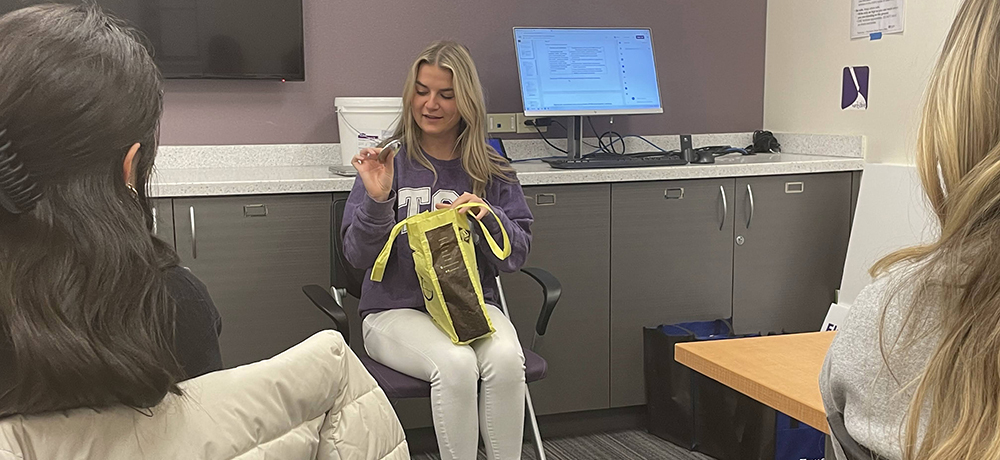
{"points": [[262, 169]]}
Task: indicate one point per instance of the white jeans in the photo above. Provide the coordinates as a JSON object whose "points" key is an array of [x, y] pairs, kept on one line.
{"points": [[409, 342]]}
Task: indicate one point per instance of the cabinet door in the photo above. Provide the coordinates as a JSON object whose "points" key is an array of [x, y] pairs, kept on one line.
{"points": [[790, 246], [671, 261], [571, 239], [255, 253], [163, 220]]}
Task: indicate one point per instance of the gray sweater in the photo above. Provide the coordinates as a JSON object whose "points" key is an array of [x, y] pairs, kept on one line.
{"points": [[855, 380]]}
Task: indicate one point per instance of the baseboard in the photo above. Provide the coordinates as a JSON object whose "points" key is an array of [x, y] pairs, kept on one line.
{"points": [[595, 421], [423, 439]]}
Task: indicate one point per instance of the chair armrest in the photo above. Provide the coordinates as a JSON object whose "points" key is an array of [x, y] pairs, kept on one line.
{"points": [[551, 291], [329, 306]]}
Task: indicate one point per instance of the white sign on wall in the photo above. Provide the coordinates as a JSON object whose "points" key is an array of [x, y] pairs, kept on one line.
{"points": [[876, 17]]}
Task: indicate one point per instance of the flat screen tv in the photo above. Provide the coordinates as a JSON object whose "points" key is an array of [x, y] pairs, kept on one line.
{"points": [[214, 39]]}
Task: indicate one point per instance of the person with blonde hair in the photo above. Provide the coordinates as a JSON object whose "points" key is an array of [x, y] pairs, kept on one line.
{"points": [[444, 161], [914, 373]]}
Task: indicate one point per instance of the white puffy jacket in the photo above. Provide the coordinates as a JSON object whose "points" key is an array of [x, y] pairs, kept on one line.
{"points": [[314, 401]]}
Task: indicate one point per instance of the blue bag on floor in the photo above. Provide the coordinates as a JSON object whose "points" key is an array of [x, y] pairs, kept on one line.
{"points": [[701, 330], [794, 440]]}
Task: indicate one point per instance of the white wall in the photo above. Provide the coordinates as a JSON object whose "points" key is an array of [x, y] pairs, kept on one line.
{"points": [[808, 45]]}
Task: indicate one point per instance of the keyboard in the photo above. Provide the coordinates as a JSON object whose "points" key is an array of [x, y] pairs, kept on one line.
{"points": [[637, 160]]}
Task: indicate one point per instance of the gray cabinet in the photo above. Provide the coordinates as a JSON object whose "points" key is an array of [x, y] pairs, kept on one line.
{"points": [[671, 261], [163, 219], [255, 253], [790, 244], [629, 255], [571, 239]]}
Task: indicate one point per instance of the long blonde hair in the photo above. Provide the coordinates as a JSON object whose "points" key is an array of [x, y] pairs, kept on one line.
{"points": [[479, 160], [955, 410]]}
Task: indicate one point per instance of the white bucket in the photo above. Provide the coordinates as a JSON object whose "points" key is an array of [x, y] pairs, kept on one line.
{"points": [[365, 122]]}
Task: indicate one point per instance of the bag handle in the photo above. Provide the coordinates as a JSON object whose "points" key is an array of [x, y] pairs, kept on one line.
{"points": [[378, 270], [501, 254]]}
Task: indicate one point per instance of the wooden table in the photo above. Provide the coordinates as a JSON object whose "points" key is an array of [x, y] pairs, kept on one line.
{"points": [[781, 371]]}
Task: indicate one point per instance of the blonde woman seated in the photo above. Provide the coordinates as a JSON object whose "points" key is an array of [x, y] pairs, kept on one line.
{"points": [[914, 373]]}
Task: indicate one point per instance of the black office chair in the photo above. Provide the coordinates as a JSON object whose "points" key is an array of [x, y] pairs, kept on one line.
{"points": [[401, 386]]}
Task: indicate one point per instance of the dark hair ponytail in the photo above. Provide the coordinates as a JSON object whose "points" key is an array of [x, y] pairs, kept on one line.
{"points": [[84, 308]]}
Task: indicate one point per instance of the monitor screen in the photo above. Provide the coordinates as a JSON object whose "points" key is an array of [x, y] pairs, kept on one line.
{"points": [[226, 39], [575, 71]]}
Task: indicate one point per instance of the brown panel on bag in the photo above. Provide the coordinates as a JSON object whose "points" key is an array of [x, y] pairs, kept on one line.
{"points": [[459, 294]]}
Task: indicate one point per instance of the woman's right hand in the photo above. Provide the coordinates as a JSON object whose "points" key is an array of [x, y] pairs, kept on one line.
{"points": [[376, 175]]}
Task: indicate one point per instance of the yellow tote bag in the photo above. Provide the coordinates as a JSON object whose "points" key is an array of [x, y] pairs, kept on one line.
{"points": [[444, 258]]}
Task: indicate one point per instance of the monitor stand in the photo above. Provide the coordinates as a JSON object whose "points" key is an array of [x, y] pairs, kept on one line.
{"points": [[574, 138]]}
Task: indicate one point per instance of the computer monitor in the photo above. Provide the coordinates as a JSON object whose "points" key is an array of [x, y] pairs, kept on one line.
{"points": [[579, 72]]}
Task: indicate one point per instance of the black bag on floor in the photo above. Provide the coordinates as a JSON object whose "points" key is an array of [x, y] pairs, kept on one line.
{"points": [[696, 412]]}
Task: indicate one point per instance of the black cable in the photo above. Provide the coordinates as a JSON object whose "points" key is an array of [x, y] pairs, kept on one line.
{"points": [[588, 144], [547, 140], [548, 121], [657, 147], [592, 128], [720, 150], [600, 143], [614, 138]]}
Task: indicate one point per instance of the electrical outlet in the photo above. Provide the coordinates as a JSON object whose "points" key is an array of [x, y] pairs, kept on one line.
{"points": [[501, 123], [523, 128]]}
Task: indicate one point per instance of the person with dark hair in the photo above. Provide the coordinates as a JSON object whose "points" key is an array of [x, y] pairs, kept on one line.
{"points": [[94, 310]]}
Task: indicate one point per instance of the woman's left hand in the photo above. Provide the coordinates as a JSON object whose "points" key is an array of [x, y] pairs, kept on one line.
{"points": [[481, 211]]}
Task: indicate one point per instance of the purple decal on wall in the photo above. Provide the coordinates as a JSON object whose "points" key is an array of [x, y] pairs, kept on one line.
{"points": [[855, 93]]}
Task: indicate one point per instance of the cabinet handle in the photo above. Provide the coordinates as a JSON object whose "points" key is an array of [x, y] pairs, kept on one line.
{"points": [[794, 187], [750, 214], [254, 210], [194, 235], [676, 193], [545, 199], [156, 227], [725, 207]]}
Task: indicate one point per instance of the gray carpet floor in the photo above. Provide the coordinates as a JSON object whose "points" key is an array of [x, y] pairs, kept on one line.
{"points": [[629, 444]]}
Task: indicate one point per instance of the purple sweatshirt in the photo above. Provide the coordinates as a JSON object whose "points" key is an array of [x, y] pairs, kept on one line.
{"points": [[367, 224]]}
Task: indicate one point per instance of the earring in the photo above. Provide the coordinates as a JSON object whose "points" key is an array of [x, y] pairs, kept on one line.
{"points": [[132, 189]]}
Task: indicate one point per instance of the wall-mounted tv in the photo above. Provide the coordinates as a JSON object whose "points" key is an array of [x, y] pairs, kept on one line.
{"points": [[214, 39]]}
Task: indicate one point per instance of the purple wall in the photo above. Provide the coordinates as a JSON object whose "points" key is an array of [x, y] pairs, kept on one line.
{"points": [[710, 64]]}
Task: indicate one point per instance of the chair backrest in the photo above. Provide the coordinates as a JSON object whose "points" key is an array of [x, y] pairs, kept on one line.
{"points": [[345, 276], [842, 438], [315, 400]]}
